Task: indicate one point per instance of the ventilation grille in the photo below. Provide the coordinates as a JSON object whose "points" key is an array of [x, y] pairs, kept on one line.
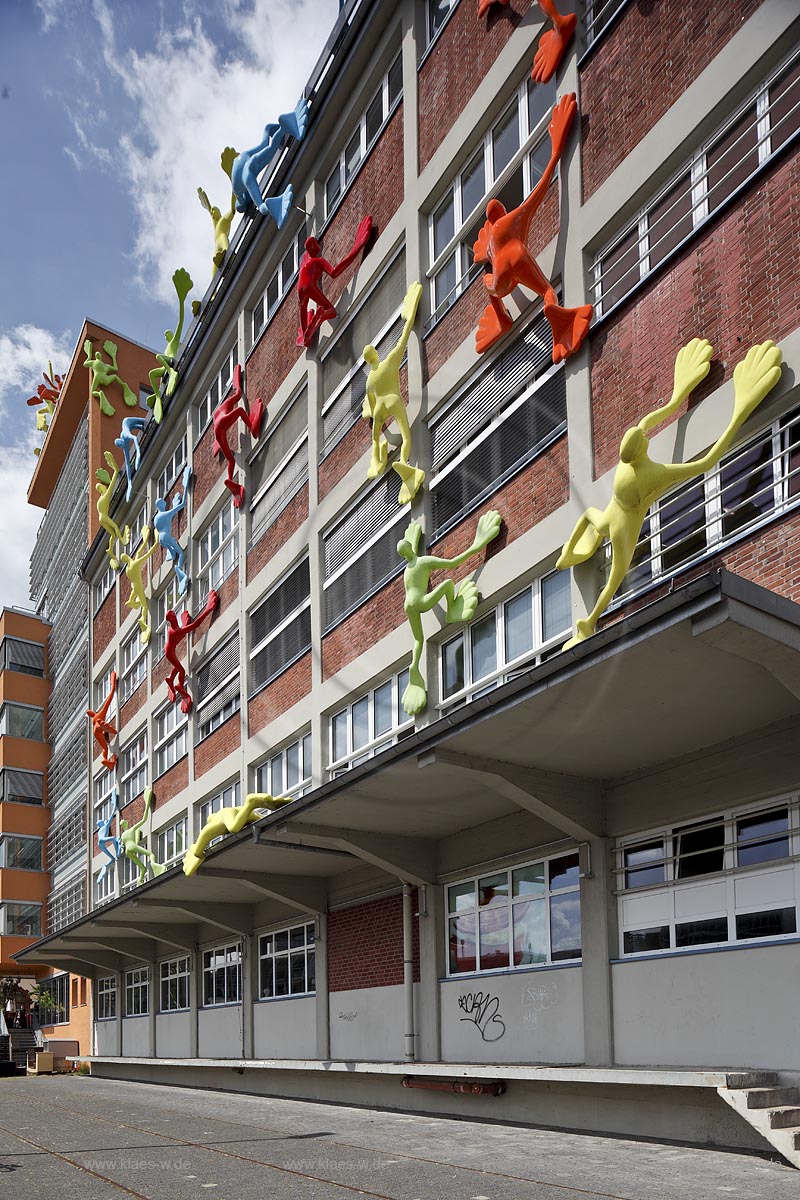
{"points": [[66, 766], [294, 590], [363, 521], [217, 669], [280, 492], [279, 653], [66, 906], [61, 541], [69, 697], [66, 837]]}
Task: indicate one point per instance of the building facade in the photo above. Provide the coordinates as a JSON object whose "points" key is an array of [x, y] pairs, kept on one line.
{"points": [[573, 871]]}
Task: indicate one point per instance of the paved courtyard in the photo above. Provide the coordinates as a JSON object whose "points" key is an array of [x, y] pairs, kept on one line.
{"points": [[63, 1137]]}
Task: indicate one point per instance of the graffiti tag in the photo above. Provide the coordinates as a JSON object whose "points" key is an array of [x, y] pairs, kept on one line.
{"points": [[483, 1011]]}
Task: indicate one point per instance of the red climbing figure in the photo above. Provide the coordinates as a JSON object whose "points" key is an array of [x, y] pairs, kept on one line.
{"points": [[552, 44], [312, 267], [103, 729], [226, 414], [176, 632], [503, 244]]}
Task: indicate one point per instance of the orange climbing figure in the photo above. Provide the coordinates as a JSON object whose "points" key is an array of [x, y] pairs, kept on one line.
{"points": [[503, 244], [312, 267], [103, 729], [226, 414], [552, 43]]}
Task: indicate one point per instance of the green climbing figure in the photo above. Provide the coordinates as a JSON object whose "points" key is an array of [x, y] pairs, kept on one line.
{"points": [[182, 281], [221, 221], [106, 482], [131, 838], [461, 601], [104, 374]]}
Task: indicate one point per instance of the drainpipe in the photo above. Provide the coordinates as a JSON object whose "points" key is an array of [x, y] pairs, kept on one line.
{"points": [[408, 972]]}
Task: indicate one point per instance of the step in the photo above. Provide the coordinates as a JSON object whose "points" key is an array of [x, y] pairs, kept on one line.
{"points": [[751, 1079], [772, 1097], [784, 1118]]}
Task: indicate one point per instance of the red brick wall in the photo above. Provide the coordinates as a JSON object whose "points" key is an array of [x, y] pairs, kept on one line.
{"points": [[641, 68], [736, 285], [287, 523], [367, 625], [208, 467], [228, 593], [217, 745], [105, 623], [159, 673], [463, 53], [365, 945], [172, 781], [133, 704], [280, 695]]}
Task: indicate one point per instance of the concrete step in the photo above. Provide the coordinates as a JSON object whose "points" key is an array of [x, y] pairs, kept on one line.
{"points": [[751, 1079], [784, 1118], [772, 1097]]}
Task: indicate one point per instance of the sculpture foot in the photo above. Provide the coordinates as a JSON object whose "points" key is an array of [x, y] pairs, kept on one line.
{"points": [[196, 306], [464, 602], [106, 408], [415, 697], [551, 49], [570, 326], [257, 410], [173, 695], [218, 259], [186, 704], [583, 630], [144, 635], [172, 383], [191, 861], [278, 206], [183, 582], [491, 328], [110, 762], [485, 5], [157, 869], [236, 490], [413, 479], [306, 336], [128, 396]]}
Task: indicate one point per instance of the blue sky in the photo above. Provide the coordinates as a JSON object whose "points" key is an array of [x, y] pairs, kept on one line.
{"points": [[112, 112]]}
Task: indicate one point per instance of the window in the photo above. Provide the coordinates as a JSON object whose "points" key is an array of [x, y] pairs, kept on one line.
{"points": [[66, 905], [129, 872], [106, 998], [522, 917], [360, 550], [105, 797], [222, 975], [217, 688], [364, 137], [437, 13], [369, 724], [19, 919], [279, 284], [26, 657], [755, 483], [507, 165], [170, 842], [134, 665], [21, 853], [286, 962], [493, 649], [67, 836], [731, 157], [136, 527], [21, 787], [104, 887], [217, 551], [54, 1000], [22, 721], [133, 767], [280, 628], [173, 469], [137, 992], [496, 426], [229, 797], [169, 599], [171, 729], [103, 587], [280, 467], [600, 15], [218, 389], [717, 881], [175, 984], [102, 687], [287, 773]]}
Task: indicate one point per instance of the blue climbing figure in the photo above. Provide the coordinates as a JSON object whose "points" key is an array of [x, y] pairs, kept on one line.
{"points": [[131, 426], [248, 165], [162, 523], [104, 839]]}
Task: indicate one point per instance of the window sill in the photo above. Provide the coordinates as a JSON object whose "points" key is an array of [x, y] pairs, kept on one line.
{"points": [[791, 939], [280, 999], [215, 1007], [216, 728], [568, 965], [166, 770], [171, 1012], [134, 1016]]}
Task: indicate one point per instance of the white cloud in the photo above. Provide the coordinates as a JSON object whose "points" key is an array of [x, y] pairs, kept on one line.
{"points": [[18, 523], [50, 11]]}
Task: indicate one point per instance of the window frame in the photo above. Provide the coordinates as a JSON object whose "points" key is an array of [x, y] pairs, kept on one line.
{"points": [[138, 743], [103, 588], [268, 952], [203, 570], [376, 743], [9, 902], [9, 708], [283, 282], [105, 888], [216, 391], [133, 658], [180, 975], [173, 468], [106, 998], [6, 837], [178, 828], [137, 993], [170, 732], [257, 647], [210, 968], [278, 760]]}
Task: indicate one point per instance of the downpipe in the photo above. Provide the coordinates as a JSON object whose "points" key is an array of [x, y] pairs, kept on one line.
{"points": [[459, 1087], [408, 974]]}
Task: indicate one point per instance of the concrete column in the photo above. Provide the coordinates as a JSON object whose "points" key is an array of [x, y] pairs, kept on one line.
{"points": [[120, 978], [323, 1000], [431, 969], [598, 934], [315, 566], [152, 1010], [194, 1003], [249, 971]]}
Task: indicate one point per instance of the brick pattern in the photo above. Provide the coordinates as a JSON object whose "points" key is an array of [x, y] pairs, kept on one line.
{"points": [[228, 593], [365, 945], [217, 745], [208, 467], [288, 522], [642, 67], [133, 704], [462, 55], [280, 695], [104, 625], [173, 781], [736, 285], [378, 616], [158, 674]]}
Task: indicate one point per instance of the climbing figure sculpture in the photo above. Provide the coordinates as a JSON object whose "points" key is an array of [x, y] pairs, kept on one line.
{"points": [[104, 374], [128, 443], [383, 401], [503, 244], [104, 839], [552, 43], [162, 524], [461, 600], [639, 482], [221, 221], [228, 820], [103, 729], [134, 568], [227, 413], [106, 482], [47, 395], [248, 165], [131, 840], [312, 268], [182, 282], [176, 632]]}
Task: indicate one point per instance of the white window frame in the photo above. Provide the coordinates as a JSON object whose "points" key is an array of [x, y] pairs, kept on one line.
{"points": [[133, 767], [170, 738], [206, 727], [168, 599], [105, 887], [103, 587], [597, 11], [137, 992], [103, 788], [376, 743], [232, 957], [217, 390], [285, 462], [102, 687], [107, 998], [227, 797], [134, 665], [170, 842], [207, 570], [175, 972], [173, 469], [268, 952], [274, 774], [280, 282]]}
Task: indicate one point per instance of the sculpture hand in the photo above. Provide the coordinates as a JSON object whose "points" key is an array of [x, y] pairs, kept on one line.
{"points": [[411, 302], [691, 366], [561, 121], [488, 528], [754, 377]]}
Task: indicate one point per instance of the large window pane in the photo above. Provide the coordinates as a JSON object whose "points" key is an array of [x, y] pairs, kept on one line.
{"points": [[683, 519], [564, 872], [776, 923], [473, 185], [519, 626], [699, 851], [383, 708], [556, 604], [493, 890], [494, 938], [762, 838], [619, 270], [528, 881], [732, 159], [530, 932], [505, 140], [645, 865], [670, 220], [565, 926], [784, 99], [747, 488], [638, 941], [701, 933], [460, 896], [484, 647], [462, 943], [453, 667], [443, 225], [374, 118]]}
